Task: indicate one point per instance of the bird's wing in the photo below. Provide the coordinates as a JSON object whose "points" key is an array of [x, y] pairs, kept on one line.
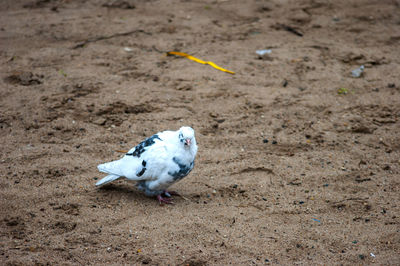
{"points": [[148, 160], [154, 161], [131, 164]]}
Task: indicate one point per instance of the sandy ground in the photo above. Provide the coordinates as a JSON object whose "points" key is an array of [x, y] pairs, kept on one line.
{"points": [[298, 162]]}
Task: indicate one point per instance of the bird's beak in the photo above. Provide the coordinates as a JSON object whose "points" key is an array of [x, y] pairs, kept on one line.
{"points": [[188, 142]]}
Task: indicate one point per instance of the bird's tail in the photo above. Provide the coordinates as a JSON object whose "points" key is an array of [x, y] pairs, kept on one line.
{"points": [[107, 179], [110, 169]]}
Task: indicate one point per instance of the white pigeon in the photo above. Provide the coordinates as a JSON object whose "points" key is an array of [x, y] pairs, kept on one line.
{"points": [[156, 163]]}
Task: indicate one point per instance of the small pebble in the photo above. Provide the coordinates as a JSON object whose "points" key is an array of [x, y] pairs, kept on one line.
{"points": [[391, 85], [263, 52], [357, 72]]}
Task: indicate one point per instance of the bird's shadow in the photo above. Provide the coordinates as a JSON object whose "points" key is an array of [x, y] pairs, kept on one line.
{"points": [[114, 191]]}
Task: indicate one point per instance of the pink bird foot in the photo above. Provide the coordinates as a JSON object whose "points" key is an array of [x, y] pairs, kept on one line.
{"points": [[162, 199]]}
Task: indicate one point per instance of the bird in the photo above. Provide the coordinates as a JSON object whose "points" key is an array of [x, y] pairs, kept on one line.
{"points": [[155, 163]]}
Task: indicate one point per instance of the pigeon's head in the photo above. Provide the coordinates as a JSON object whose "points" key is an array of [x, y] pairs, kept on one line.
{"points": [[186, 136]]}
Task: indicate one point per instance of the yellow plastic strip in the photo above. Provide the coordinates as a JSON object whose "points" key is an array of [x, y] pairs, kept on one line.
{"points": [[200, 61]]}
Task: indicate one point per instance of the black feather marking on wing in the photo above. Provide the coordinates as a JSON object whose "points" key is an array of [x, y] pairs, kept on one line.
{"points": [[183, 171], [140, 148], [141, 172], [143, 169]]}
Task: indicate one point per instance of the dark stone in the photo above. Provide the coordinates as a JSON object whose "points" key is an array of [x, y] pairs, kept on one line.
{"points": [[362, 129], [120, 4], [23, 78], [391, 85]]}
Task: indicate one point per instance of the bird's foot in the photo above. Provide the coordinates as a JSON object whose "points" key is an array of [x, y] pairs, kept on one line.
{"points": [[162, 199], [173, 193]]}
